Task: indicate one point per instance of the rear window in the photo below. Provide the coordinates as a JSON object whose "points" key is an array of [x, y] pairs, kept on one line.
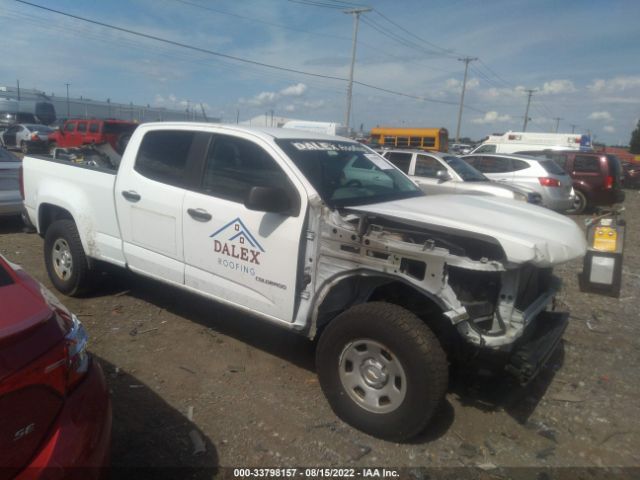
{"points": [[552, 167], [163, 154], [586, 163]]}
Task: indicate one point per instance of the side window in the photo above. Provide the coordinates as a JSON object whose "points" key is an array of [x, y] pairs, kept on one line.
{"points": [[518, 165], [70, 127], [82, 127], [163, 156], [486, 149], [427, 166], [586, 164], [93, 127], [234, 165], [400, 160], [489, 164]]}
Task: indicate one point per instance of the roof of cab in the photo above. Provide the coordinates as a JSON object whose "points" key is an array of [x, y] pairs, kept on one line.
{"points": [[267, 133]]}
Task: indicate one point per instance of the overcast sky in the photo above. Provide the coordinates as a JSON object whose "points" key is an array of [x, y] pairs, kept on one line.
{"points": [[583, 57]]}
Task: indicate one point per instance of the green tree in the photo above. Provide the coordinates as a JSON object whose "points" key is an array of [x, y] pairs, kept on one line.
{"points": [[634, 144]]}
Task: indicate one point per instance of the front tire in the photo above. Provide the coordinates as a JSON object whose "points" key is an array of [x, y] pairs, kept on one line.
{"points": [[66, 262], [24, 148], [382, 370]]}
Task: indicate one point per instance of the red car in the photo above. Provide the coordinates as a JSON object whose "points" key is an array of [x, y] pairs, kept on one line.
{"points": [[55, 410], [75, 133]]}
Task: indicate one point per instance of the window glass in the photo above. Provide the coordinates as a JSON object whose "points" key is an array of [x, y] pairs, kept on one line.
{"points": [[428, 141], [82, 127], [486, 149], [403, 141], [163, 156], [400, 160], [487, 164], [326, 164], [518, 165], [415, 142], [464, 169], [93, 127], [552, 167], [362, 163], [586, 163], [70, 127], [427, 166], [234, 165]]}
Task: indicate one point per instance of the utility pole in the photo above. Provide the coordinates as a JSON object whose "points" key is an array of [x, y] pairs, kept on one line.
{"points": [[573, 128], [18, 84], [526, 113], [557, 119], [466, 61], [356, 12], [68, 114]]}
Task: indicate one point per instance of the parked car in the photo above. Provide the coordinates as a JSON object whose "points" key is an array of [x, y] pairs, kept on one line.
{"points": [[597, 177], [10, 199], [56, 410], [438, 173], [395, 283], [75, 133], [27, 137], [541, 175], [631, 174]]}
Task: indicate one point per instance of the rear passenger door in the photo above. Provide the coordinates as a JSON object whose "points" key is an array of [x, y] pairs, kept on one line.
{"points": [[149, 195], [241, 256]]}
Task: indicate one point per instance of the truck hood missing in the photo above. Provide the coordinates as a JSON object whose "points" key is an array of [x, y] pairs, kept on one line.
{"points": [[527, 233]]}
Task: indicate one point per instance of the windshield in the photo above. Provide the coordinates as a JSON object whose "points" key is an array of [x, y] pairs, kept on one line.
{"points": [[347, 173], [466, 171]]}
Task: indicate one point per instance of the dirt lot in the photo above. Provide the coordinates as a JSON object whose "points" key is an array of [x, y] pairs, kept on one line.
{"points": [[254, 399]]}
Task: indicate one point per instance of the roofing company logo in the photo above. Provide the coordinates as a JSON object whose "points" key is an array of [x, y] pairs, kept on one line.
{"points": [[239, 244]]}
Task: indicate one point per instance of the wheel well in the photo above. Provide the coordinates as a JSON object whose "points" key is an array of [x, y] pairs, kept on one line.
{"points": [[355, 290], [51, 213]]}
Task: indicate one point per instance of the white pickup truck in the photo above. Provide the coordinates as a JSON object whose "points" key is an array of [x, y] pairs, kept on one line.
{"points": [[397, 285]]}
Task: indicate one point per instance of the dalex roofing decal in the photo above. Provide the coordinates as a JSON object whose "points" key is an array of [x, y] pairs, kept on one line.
{"points": [[240, 244]]}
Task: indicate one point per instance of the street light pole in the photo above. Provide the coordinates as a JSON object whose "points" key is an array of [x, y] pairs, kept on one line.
{"points": [[466, 61], [356, 20], [68, 114]]}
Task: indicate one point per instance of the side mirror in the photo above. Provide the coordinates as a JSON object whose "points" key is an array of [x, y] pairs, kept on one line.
{"points": [[268, 199], [443, 175]]}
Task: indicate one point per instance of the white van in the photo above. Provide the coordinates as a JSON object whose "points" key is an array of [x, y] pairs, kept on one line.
{"points": [[512, 142], [328, 128]]}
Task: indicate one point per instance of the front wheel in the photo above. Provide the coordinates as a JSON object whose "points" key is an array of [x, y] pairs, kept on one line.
{"points": [[24, 147], [66, 262], [382, 370]]}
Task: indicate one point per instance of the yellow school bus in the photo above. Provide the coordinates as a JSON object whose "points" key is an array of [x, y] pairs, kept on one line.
{"points": [[424, 138]]}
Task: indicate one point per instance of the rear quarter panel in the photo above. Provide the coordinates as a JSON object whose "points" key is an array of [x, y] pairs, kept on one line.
{"points": [[86, 193]]}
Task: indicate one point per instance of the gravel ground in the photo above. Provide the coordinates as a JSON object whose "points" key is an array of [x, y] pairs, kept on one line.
{"points": [[177, 364]]}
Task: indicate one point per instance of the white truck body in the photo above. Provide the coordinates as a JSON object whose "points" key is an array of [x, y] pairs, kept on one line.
{"points": [[482, 264], [513, 142]]}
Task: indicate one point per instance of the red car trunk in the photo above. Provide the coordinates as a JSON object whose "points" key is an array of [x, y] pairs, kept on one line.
{"points": [[33, 369]]}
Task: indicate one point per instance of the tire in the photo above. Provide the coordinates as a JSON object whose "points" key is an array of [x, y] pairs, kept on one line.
{"points": [[580, 203], [66, 262], [401, 376], [24, 148]]}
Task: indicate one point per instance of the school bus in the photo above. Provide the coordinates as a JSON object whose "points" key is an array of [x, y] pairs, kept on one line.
{"points": [[424, 138]]}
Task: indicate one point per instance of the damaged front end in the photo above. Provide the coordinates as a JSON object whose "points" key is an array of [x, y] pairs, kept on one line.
{"points": [[492, 302]]}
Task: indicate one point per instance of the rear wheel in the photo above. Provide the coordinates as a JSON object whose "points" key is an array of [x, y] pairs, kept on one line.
{"points": [[66, 262], [24, 148], [579, 203], [382, 370], [52, 147]]}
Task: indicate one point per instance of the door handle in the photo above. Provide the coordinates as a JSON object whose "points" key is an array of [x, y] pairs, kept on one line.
{"points": [[131, 195], [199, 214]]}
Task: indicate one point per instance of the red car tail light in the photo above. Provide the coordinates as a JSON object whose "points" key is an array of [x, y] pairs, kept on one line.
{"points": [[549, 182], [35, 137], [77, 355], [608, 182]]}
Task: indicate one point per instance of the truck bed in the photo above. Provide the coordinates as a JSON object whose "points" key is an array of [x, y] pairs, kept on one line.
{"points": [[88, 192]]}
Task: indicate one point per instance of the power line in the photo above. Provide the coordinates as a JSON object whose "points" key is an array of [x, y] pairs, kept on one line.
{"points": [[230, 57]]}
